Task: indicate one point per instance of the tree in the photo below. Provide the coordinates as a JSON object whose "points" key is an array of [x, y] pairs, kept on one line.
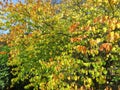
{"points": [[79, 46]]}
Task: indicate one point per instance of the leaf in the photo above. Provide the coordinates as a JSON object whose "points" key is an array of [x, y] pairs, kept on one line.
{"points": [[105, 71], [82, 49], [106, 46], [73, 27]]}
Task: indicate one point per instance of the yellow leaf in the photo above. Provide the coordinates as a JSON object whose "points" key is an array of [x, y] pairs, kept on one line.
{"points": [[68, 77], [118, 25], [30, 48], [110, 37]]}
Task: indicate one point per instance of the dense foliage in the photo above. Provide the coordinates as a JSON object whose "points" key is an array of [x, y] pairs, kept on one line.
{"points": [[64, 46], [4, 69]]}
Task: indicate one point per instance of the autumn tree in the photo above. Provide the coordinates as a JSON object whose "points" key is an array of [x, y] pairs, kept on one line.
{"points": [[71, 45]]}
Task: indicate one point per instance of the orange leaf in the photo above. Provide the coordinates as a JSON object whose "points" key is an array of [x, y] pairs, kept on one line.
{"points": [[77, 39], [106, 46], [73, 27], [82, 49], [3, 52]]}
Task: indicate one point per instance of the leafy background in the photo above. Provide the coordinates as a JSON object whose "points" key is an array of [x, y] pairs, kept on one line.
{"points": [[71, 45]]}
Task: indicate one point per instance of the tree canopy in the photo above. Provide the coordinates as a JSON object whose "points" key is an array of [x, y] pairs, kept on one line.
{"points": [[67, 46]]}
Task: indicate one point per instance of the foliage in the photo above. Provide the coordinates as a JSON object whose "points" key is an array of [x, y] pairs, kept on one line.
{"points": [[4, 69], [64, 46]]}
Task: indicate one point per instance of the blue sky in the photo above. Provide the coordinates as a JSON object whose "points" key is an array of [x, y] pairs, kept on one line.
{"points": [[15, 1], [57, 1]]}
